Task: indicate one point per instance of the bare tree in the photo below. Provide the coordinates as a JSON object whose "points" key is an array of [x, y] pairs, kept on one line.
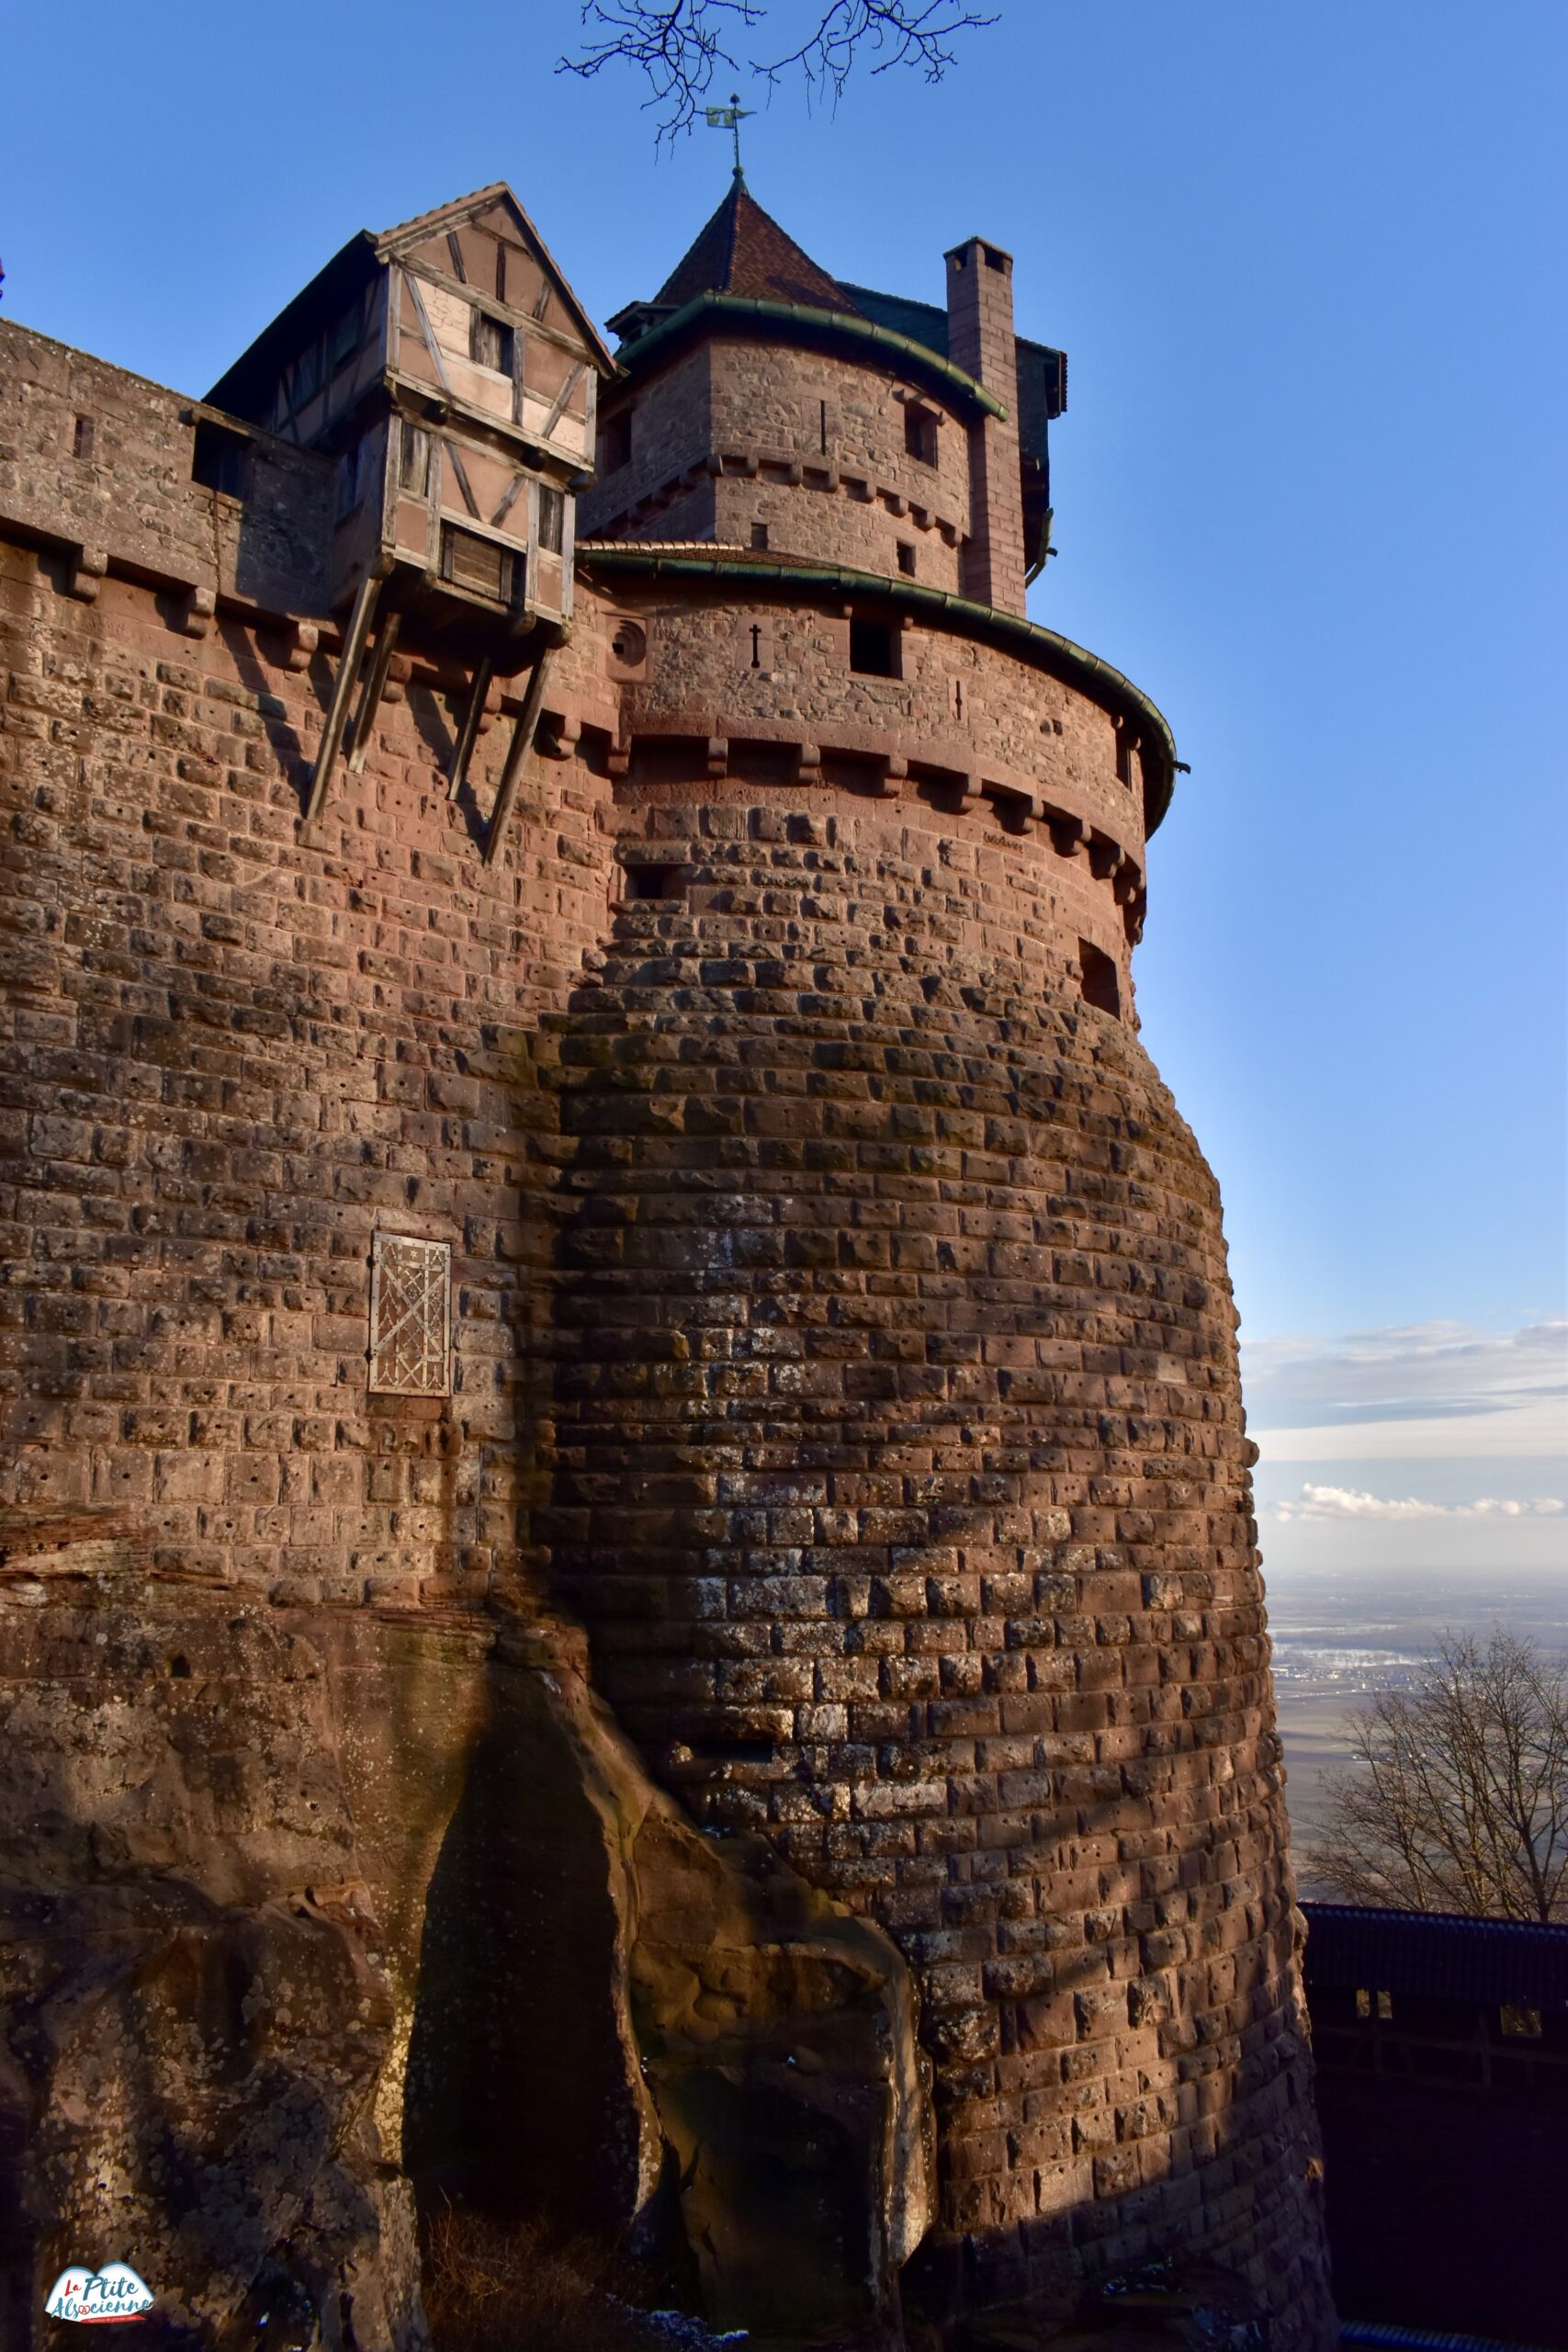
{"points": [[1458, 1796], [679, 45]]}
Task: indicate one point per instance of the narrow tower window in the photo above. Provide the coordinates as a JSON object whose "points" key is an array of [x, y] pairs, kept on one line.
{"points": [[759, 535], [86, 435], [823, 408], [1099, 978], [920, 433], [552, 518], [907, 557], [615, 442], [1127, 757]]}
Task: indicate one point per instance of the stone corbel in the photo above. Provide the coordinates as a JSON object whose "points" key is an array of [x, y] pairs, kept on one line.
{"points": [[304, 637], [1128, 883], [200, 605], [716, 754], [84, 569], [557, 735], [400, 670], [1068, 834], [895, 772], [1105, 858], [808, 763]]}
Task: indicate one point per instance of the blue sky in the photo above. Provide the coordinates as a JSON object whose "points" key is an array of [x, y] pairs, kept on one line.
{"points": [[1307, 264]]}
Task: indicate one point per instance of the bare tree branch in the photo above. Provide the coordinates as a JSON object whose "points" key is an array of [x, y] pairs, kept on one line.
{"points": [[1458, 1796], [678, 45], [899, 33]]}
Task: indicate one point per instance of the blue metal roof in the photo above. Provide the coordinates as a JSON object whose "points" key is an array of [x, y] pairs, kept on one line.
{"points": [[1437, 1955]]}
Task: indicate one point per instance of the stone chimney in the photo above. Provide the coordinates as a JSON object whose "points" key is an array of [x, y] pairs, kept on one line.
{"points": [[980, 340]]}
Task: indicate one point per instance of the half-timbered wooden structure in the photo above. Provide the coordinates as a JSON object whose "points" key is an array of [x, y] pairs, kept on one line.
{"points": [[448, 365]]}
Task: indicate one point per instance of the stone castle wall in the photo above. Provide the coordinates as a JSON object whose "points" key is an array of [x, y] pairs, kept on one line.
{"points": [[905, 1491], [232, 1054], [840, 1322], [809, 447]]}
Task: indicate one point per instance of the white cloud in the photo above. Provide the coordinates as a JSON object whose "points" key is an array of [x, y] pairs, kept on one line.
{"points": [[1321, 1503], [1410, 1391]]}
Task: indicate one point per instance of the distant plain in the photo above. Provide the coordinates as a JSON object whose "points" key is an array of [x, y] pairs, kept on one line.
{"points": [[1342, 1633]]}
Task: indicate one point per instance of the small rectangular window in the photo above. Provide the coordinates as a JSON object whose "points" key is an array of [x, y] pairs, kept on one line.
{"points": [[552, 519], [411, 1316], [1127, 757], [344, 341], [907, 557], [490, 341], [479, 565], [759, 535], [308, 373], [615, 442], [85, 440], [874, 648], [221, 460], [920, 433], [1099, 978], [413, 459]]}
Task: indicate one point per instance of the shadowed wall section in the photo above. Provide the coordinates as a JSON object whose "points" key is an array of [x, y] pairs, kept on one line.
{"points": [[905, 1490]]}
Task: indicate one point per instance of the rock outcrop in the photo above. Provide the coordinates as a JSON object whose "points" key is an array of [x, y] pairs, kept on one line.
{"points": [[196, 2016], [258, 1996]]}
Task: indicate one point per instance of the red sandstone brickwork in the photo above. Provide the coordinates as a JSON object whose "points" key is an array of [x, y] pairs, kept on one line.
{"points": [[904, 1489], [230, 1054], [845, 1291], [732, 436], [981, 341]]}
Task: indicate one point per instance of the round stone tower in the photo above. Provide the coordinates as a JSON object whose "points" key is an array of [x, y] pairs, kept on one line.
{"points": [[903, 1477]]}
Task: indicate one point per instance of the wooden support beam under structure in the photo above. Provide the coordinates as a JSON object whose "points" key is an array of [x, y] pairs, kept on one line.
{"points": [[374, 687], [468, 730], [517, 752], [355, 637]]}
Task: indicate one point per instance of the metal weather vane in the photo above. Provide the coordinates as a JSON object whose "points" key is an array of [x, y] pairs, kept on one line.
{"points": [[730, 117]]}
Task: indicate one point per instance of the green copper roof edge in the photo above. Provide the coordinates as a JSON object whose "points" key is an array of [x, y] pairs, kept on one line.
{"points": [[741, 309], [1010, 628]]}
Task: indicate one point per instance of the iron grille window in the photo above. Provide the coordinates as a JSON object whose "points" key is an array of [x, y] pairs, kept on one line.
{"points": [[411, 1316], [479, 565]]}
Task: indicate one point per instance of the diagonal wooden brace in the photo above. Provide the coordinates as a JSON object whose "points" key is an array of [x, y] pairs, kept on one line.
{"points": [[468, 732], [375, 687], [354, 642], [517, 752]]}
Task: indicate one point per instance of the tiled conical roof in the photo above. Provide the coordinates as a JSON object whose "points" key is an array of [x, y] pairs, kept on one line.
{"points": [[743, 251]]}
